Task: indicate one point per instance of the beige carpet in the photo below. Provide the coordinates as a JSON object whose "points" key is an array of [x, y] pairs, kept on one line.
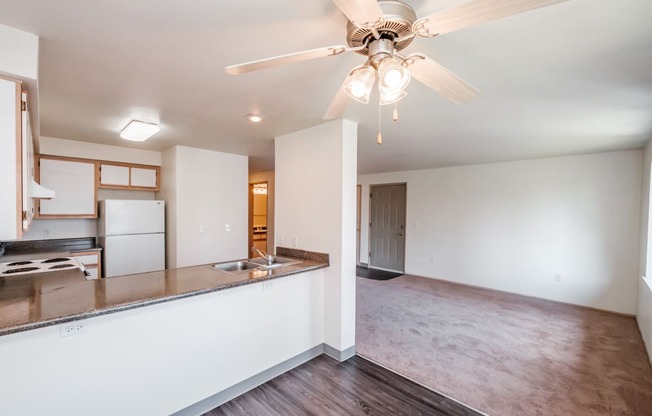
{"points": [[504, 354]]}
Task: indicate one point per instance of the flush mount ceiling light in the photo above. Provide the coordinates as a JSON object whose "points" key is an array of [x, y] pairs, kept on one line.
{"points": [[254, 118], [139, 131]]}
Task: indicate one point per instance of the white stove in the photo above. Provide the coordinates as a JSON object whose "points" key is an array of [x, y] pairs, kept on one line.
{"points": [[53, 264]]}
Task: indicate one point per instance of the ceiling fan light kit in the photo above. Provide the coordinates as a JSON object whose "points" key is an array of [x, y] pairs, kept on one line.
{"points": [[380, 29], [359, 83]]}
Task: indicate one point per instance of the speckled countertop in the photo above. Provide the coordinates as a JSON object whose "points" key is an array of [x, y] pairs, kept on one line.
{"points": [[42, 299]]}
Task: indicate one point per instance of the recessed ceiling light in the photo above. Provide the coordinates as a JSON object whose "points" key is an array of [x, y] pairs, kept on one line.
{"points": [[254, 118], [139, 131]]}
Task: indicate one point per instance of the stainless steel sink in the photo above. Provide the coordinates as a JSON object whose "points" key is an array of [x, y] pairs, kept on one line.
{"points": [[235, 267], [277, 262]]}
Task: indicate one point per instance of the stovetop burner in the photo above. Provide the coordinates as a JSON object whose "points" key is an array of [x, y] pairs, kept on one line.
{"points": [[20, 270], [56, 260], [61, 266], [19, 263]]}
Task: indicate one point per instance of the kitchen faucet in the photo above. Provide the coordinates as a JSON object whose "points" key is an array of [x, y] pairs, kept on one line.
{"points": [[268, 257]]}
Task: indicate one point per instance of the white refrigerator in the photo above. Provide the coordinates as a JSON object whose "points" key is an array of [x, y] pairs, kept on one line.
{"points": [[132, 236]]}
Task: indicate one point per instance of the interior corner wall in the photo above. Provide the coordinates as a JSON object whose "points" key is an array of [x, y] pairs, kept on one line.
{"points": [[315, 210], [516, 226], [267, 176], [208, 216], [644, 301]]}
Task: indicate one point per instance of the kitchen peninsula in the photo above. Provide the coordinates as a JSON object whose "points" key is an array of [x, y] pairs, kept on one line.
{"points": [[37, 300], [174, 325]]}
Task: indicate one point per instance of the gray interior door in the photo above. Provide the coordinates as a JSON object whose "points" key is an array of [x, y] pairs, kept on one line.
{"points": [[387, 227]]}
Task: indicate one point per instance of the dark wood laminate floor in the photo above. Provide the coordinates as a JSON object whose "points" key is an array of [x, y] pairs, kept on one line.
{"points": [[326, 387]]}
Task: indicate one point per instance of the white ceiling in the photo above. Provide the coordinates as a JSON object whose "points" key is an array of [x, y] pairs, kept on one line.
{"points": [[571, 78]]}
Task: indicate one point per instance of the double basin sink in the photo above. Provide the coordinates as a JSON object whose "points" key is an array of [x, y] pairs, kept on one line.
{"points": [[242, 266]]}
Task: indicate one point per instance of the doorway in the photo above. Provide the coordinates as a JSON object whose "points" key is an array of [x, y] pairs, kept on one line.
{"points": [[387, 227], [257, 216]]}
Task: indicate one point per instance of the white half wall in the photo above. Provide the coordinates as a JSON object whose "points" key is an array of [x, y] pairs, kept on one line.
{"points": [[206, 193], [315, 210], [159, 359], [644, 304], [515, 226]]}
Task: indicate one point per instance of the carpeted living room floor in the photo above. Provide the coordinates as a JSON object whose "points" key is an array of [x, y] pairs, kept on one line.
{"points": [[504, 354]]}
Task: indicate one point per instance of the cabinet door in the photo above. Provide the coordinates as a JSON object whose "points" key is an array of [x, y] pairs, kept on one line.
{"points": [[10, 161], [74, 185], [143, 178], [28, 165], [114, 175]]}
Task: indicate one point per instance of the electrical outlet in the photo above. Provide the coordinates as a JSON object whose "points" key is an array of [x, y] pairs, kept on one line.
{"points": [[202, 228], [268, 285], [296, 242], [279, 239], [557, 277], [72, 328], [227, 227]]}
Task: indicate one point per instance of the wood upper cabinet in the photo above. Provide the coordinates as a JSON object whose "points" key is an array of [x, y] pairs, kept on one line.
{"points": [[73, 181], [128, 176]]}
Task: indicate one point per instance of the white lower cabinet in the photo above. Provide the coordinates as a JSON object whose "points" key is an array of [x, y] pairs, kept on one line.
{"points": [[91, 262], [73, 182]]}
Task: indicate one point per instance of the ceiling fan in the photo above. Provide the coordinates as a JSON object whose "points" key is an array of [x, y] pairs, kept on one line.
{"points": [[380, 30]]}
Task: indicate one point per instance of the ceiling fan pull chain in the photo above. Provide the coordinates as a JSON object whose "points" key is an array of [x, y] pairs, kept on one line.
{"points": [[379, 139], [395, 116]]}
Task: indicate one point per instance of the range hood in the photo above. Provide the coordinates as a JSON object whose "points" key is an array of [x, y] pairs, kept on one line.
{"points": [[40, 192]]}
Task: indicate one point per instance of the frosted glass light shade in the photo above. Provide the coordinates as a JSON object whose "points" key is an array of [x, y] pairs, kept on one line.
{"points": [[391, 99], [392, 77], [360, 83], [139, 131]]}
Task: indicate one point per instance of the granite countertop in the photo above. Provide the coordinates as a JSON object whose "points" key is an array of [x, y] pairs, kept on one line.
{"points": [[42, 299]]}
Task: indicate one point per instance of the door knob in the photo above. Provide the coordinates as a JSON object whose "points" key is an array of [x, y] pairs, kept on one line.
{"points": [[401, 234]]}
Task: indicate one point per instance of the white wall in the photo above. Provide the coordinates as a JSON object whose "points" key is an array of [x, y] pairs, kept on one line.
{"points": [[267, 176], [513, 226], [211, 192], [315, 210], [162, 358], [18, 53], [644, 304]]}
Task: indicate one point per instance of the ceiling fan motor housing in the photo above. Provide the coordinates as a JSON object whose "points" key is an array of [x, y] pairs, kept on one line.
{"points": [[398, 20]]}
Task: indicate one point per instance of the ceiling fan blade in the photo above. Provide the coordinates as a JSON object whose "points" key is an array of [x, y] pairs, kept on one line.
{"points": [[474, 13], [361, 12], [339, 102], [440, 79], [285, 59]]}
